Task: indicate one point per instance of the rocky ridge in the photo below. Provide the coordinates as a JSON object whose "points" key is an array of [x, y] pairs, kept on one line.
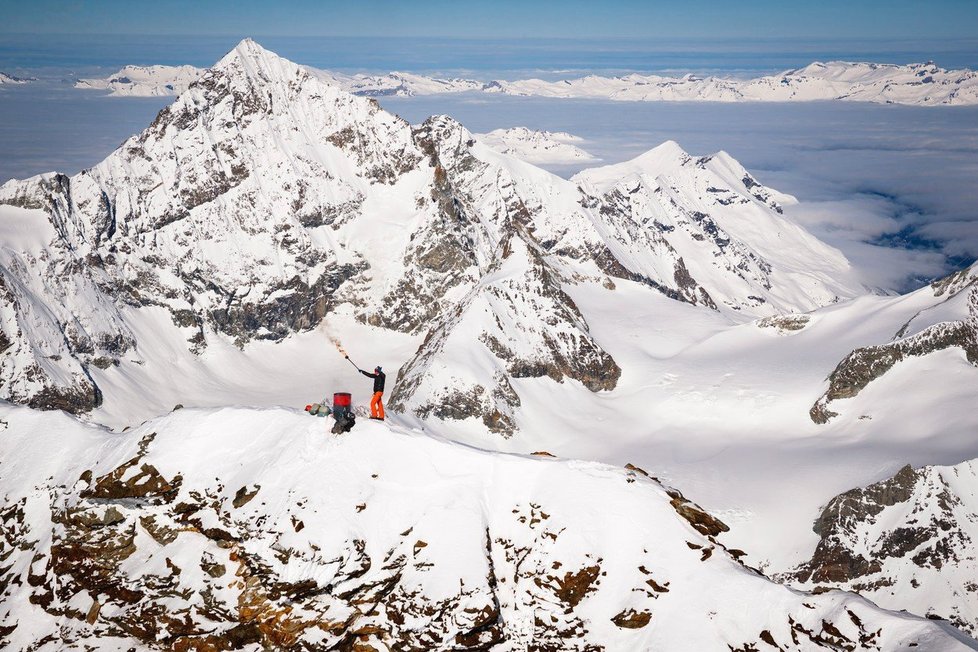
{"points": [[236, 528], [905, 542]]}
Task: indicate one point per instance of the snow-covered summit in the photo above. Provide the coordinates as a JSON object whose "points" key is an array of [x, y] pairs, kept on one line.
{"points": [[235, 527], [539, 147], [722, 224], [208, 214]]}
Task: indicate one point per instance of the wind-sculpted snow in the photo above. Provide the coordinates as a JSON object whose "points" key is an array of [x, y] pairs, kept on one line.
{"points": [[235, 528], [907, 542]]}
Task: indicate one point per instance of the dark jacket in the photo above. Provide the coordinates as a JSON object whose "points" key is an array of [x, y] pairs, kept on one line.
{"points": [[379, 379]]}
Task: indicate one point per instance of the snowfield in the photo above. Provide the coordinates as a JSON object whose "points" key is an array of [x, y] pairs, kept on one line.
{"points": [[664, 312]]}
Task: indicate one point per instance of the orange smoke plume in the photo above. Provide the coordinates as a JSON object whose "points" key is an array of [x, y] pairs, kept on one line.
{"points": [[336, 342]]}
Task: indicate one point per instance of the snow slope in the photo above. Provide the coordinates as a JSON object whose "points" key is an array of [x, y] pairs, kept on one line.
{"points": [[539, 147], [236, 527]]}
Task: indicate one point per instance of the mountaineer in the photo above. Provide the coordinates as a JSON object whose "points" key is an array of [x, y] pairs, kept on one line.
{"points": [[376, 404]]}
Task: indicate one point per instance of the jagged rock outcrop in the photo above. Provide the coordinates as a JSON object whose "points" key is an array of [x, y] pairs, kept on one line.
{"points": [[235, 528], [490, 328], [906, 542]]}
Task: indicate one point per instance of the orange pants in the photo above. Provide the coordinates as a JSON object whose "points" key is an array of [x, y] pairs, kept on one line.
{"points": [[377, 406]]}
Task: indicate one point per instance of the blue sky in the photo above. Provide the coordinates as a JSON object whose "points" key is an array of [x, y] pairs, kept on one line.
{"points": [[873, 19]]}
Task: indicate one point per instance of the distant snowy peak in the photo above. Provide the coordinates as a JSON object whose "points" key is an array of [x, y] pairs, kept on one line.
{"points": [[539, 147], [397, 84], [918, 84], [10, 79], [719, 236], [145, 81]]}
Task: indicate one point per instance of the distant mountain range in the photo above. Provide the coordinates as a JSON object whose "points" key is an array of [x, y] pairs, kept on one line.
{"points": [[923, 84]]}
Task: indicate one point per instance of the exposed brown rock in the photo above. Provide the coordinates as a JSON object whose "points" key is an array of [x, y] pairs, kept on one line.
{"points": [[631, 619]]}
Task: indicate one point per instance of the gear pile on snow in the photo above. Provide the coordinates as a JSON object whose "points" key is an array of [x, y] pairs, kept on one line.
{"points": [[341, 411]]}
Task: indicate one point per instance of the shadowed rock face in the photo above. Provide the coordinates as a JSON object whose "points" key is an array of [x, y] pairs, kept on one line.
{"points": [[889, 540]]}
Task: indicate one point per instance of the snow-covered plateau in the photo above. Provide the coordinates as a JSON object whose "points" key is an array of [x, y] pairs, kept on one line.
{"points": [[921, 84], [665, 312]]}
